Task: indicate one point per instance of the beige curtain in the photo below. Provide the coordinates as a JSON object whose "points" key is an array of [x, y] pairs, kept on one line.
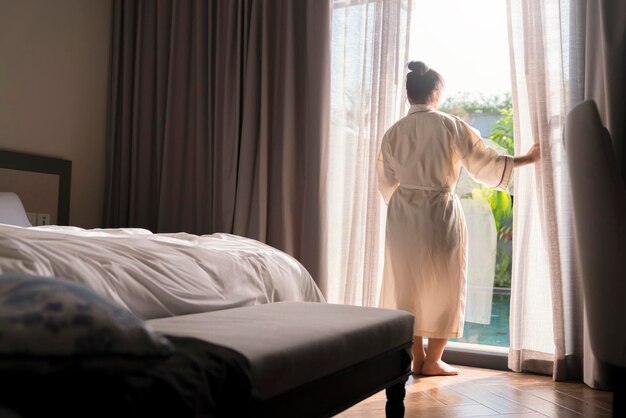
{"points": [[369, 45], [218, 120], [546, 299]]}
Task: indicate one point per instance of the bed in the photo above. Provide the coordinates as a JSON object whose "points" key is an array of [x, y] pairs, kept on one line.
{"points": [[159, 275], [214, 325]]}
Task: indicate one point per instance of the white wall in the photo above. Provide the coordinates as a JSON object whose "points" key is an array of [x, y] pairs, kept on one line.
{"points": [[54, 58]]}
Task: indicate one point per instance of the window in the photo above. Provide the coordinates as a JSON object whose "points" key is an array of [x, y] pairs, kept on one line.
{"points": [[467, 43], [372, 41]]}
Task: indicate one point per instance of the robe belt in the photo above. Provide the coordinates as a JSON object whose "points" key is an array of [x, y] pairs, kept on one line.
{"points": [[427, 188]]}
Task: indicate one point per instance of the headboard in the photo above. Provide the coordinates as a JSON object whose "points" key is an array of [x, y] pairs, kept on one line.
{"points": [[48, 165]]}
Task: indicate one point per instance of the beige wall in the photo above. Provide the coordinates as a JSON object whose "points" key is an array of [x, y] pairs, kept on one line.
{"points": [[54, 58]]}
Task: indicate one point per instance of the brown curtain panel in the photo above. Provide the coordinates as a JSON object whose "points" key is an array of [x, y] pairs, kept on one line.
{"points": [[605, 84], [218, 116], [605, 69]]}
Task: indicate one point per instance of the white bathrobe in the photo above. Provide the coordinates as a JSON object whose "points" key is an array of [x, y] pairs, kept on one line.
{"points": [[426, 238]]}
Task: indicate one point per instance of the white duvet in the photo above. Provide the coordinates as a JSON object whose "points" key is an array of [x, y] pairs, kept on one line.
{"points": [[159, 275]]}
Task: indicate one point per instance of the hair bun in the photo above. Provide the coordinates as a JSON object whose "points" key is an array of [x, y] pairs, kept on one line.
{"points": [[419, 67]]}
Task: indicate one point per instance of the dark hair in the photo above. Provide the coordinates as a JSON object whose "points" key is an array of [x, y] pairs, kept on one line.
{"points": [[422, 82]]}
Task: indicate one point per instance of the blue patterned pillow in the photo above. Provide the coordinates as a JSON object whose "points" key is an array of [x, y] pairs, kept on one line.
{"points": [[50, 324]]}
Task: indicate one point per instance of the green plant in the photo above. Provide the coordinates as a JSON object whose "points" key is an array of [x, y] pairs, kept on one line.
{"points": [[502, 131], [501, 203], [502, 209], [503, 268]]}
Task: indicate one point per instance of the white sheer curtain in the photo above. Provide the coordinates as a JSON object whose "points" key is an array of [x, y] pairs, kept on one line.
{"points": [[546, 300], [368, 58]]}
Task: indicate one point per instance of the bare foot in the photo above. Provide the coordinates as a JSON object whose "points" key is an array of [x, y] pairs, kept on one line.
{"points": [[418, 362], [417, 365], [439, 368]]}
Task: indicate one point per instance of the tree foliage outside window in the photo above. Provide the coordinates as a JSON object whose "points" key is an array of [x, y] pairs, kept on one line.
{"points": [[472, 104], [502, 131]]}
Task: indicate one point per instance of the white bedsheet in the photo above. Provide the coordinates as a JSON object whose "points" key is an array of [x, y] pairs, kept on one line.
{"points": [[159, 275]]}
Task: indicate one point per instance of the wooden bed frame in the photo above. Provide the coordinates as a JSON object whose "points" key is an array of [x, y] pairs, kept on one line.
{"points": [[48, 165]]}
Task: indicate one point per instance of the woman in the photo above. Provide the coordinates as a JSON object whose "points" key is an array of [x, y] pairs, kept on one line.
{"points": [[426, 238]]}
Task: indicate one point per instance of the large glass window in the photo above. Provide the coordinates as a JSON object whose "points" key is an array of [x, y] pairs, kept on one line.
{"points": [[467, 42]]}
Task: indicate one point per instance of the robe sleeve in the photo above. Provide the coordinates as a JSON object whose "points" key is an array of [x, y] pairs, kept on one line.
{"points": [[484, 164], [387, 181]]}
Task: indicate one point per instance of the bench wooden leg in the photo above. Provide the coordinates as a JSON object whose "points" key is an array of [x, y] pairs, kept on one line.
{"points": [[395, 400], [619, 394]]}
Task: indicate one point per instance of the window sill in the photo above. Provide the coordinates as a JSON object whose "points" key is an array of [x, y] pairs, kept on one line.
{"points": [[476, 355]]}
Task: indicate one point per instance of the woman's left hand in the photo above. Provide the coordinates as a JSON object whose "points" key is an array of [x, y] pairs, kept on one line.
{"points": [[534, 153]]}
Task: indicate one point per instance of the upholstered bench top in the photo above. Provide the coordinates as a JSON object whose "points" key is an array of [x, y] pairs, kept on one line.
{"points": [[289, 344]]}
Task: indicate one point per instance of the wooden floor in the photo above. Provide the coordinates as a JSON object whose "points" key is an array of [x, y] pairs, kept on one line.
{"points": [[489, 393]]}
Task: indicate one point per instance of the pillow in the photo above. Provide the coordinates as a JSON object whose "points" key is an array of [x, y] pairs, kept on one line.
{"points": [[12, 211], [50, 325]]}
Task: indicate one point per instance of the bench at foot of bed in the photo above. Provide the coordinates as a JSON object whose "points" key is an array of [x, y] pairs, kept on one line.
{"points": [[307, 359]]}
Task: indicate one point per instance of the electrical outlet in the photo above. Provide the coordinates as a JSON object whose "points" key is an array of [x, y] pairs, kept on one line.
{"points": [[43, 219]]}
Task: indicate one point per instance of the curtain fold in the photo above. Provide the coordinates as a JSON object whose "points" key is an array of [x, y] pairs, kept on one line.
{"points": [[605, 66], [218, 120], [546, 300], [369, 57]]}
